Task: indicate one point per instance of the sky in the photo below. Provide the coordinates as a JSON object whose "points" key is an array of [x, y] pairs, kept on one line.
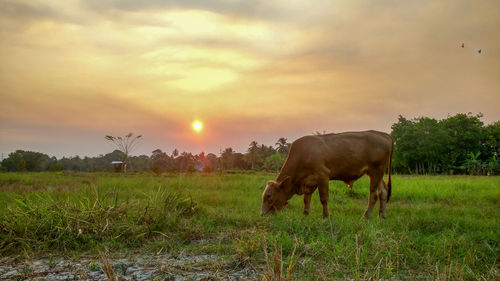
{"points": [[72, 72]]}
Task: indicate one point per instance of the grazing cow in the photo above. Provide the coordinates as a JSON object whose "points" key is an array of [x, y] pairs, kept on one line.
{"points": [[315, 160]]}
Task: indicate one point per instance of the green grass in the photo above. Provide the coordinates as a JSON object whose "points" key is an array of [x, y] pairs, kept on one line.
{"points": [[437, 227]]}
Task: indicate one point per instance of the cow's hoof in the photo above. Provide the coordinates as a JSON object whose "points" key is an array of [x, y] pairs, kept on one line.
{"points": [[306, 213]]}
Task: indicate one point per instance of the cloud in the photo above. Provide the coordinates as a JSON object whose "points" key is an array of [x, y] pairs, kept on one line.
{"points": [[237, 9], [26, 11], [72, 71]]}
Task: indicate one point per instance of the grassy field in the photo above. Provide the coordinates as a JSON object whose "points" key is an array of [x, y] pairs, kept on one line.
{"points": [[437, 227]]}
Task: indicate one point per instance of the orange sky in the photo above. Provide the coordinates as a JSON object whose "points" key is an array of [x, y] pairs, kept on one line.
{"points": [[72, 72]]}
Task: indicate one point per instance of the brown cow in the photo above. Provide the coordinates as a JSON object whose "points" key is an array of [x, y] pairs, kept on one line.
{"points": [[314, 160]]}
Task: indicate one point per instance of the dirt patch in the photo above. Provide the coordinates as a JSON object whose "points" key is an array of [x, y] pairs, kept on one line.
{"points": [[154, 267]]}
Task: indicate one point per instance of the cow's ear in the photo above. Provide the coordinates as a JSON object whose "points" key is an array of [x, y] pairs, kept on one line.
{"points": [[284, 181]]}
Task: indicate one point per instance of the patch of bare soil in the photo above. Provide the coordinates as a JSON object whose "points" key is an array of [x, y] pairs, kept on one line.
{"points": [[154, 267]]}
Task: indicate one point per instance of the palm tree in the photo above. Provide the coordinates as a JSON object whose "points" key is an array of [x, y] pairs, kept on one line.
{"points": [[282, 146], [175, 153], [253, 153], [125, 145]]}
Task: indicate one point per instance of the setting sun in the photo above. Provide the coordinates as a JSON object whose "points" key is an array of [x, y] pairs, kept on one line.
{"points": [[197, 126]]}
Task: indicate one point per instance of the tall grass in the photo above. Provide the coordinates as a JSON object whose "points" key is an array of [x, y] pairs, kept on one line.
{"points": [[437, 227], [90, 216]]}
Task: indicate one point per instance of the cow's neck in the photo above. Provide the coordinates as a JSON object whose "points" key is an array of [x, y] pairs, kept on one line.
{"points": [[286, 171]]}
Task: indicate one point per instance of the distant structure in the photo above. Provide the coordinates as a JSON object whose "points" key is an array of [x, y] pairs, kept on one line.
{"points": [[119, 166], [124, 144], [463, 45], [479, 51]]}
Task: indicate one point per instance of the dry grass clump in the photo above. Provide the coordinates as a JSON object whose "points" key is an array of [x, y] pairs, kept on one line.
{"points": [[275, 263]]}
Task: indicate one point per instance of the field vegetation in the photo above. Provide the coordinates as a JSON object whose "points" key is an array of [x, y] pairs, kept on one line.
{"points": [[437, 227]]}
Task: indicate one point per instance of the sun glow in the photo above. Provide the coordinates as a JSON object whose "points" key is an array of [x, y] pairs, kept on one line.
{"points": [[197, 126]]}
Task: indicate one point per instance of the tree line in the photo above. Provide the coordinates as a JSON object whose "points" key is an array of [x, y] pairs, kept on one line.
{"points": [[257, 157], [459, 144]]}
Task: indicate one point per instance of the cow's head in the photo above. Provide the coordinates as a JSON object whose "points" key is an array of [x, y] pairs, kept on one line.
{"points": [[275, 196]]}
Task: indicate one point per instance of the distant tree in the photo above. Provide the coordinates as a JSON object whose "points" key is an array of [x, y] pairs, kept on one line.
{"points": [[473, 165], [465, 134], [490, 149], [206, 162], [491, 141], [14, 162], [419, 145], [200, 157], [88, 164], [430, 145], [253, 154], [403, 134], [159, 161], [56, 167], [191, 169], [266, 151], [212, 161], [21, 165], [175, 153], [30, 161], [74, 163], [240, 161], [282, 146], [185, 162], [139, 163], [457, 144], [125, 145], [199, 161], [227, 159], [274, 162]]}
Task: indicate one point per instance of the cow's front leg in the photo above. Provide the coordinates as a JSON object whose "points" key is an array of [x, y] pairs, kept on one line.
{"points": [[324, 195], [307, 203]]}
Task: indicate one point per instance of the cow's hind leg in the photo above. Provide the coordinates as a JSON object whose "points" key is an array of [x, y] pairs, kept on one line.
{"points": [[375, 179], [324, 195], [307, 203], [382, 196]]}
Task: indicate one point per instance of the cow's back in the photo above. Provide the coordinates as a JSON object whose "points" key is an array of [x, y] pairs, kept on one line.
{"points": [[344, 154]]}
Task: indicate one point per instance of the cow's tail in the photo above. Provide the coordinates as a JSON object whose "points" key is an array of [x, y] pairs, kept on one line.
{"points": [[389, 185]]}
